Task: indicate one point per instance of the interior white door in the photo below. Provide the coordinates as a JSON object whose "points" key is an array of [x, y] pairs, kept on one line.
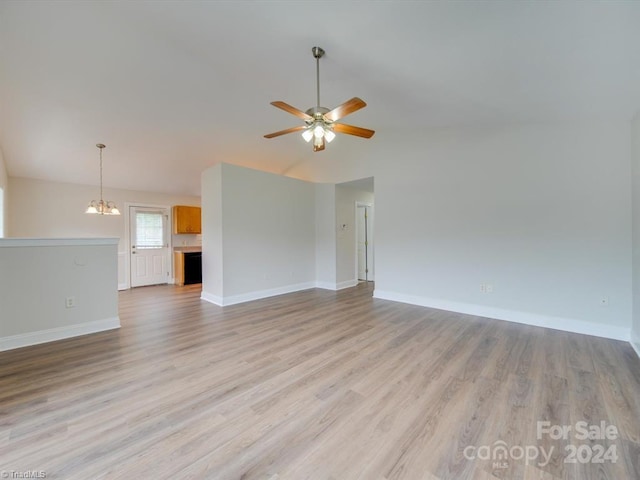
{"points": [[364, 242], [149, 232]]}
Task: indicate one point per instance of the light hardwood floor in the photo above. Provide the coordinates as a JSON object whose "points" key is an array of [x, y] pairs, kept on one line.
{"points": [[315, 384]]}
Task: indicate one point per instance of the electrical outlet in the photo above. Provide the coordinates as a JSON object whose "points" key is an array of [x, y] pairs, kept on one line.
{"points": [[483, 288], [488, 288], [70, 302]]}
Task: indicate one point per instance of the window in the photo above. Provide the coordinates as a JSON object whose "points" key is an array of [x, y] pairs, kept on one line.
{"points": [[149, 230]]}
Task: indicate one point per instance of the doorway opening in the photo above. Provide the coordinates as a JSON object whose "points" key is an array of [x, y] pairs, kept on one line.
{"points": [[364, 242], [355, 253]]}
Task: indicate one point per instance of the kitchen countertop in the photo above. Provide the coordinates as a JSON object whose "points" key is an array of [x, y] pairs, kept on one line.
{"points": [[195, 248]]}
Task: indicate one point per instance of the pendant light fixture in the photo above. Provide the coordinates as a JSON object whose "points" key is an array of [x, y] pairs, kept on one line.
{"points": [[102, 207]]}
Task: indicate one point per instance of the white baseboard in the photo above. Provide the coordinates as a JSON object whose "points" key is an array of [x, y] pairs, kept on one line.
{"points": [[123, 286], [211, 298], [556, 323], [346, 284], [249, 296], [52, 334], [336, 286], [326, 285]]}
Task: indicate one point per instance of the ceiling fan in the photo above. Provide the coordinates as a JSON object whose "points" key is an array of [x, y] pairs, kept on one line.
{"points": [[321, 124]]}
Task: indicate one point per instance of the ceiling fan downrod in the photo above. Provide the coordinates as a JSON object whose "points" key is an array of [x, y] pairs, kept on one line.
{"points": [[317, 54]]}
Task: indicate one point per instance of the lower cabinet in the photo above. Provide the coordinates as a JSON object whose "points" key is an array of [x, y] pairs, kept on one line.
{"points": [[178, 268], [187, 267]]}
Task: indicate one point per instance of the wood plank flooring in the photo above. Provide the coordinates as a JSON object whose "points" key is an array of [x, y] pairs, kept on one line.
{"points": [[315, 385]]}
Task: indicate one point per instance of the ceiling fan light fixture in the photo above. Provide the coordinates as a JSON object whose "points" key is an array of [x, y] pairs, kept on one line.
{"points": [[321, 124], [307, 135]]}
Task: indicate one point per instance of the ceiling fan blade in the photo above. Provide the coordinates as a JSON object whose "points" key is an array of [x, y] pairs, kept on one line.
{"points": [[284, 132], [351, 130], [318, 148], [345, 109], [293, 110]]}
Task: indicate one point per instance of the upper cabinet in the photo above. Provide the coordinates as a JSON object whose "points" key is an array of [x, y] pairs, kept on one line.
{"points": [[186, 219]]}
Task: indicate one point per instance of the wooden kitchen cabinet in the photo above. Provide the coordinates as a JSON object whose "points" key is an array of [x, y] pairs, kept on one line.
{"points": [[186, 219], [178, 268]]}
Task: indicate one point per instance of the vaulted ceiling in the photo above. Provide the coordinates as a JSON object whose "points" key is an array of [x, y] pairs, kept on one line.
{"points": [[174, 87]]}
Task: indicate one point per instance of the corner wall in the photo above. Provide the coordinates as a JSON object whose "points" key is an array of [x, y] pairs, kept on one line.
{"points": [[4, 199], [326, 236], [212, 236], [635, 186], [267, 228]]}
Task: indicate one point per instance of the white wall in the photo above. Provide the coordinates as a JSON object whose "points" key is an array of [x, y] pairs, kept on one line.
{"points": [[268, 233], [4, 197], [346, 198], [326, 235], [63, 214], [36, 278], [212, 258], [635, 159], [542, 212]]}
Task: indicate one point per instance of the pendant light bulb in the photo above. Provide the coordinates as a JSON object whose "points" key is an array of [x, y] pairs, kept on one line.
{"points": [[329, 135], [307, 135]]}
